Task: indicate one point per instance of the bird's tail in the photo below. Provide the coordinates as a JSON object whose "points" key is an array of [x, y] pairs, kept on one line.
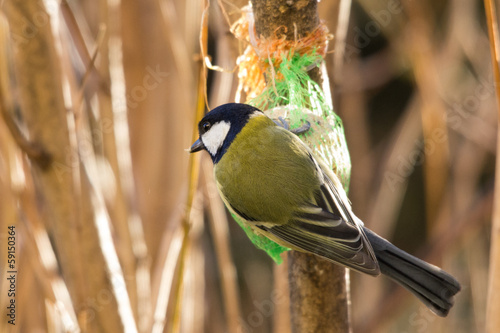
{"points": [[433, 286]]}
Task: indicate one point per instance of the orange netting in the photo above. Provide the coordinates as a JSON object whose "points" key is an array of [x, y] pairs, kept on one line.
{"points": [[263, 55]]}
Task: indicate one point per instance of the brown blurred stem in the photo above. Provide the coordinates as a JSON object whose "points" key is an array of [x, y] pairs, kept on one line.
{"points": [[38, 72], [34, 151], [219, 228], [318, 295], [65, 198], [433, 110], [493, 302]]}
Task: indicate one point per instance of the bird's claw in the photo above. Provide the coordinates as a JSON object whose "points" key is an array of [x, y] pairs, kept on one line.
{"points": [[286, 125], [281, 122], [302, 129]]}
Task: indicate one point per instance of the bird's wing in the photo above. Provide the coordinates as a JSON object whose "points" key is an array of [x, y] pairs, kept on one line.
{"points": [[333, 197], [321, 230], [325, 226]]}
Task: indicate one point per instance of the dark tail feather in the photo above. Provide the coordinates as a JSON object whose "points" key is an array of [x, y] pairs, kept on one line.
{"points": [[433, 286]]}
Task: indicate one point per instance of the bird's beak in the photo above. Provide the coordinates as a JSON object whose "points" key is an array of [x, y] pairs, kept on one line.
{"points": [[197, 146]]}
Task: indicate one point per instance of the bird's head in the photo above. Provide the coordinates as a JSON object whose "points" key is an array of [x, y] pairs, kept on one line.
{"points": [[219, 127]]}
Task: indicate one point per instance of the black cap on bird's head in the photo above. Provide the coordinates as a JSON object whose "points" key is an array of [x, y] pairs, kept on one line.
{"points": [[220, 126]]}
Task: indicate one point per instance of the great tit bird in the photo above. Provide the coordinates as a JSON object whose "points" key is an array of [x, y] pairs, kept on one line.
{"points": [[269, 178]]}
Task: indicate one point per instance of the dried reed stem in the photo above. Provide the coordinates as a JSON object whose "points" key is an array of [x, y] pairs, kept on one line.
{"points": [[40, 88], [434, 127], [493, 301], [219, 228], [194, 171], [76, 220], [116, 150]]}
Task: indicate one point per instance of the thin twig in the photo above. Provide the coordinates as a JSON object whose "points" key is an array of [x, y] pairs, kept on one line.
{"points": [[194, 167], [91, 64], [34, 150]]}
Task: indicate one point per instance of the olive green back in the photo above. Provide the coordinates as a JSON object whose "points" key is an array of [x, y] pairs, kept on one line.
{"points": [[266, 172]]}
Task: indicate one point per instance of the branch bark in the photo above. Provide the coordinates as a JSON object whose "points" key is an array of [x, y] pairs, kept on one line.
{"points": [[294, 19], [318, 291]]}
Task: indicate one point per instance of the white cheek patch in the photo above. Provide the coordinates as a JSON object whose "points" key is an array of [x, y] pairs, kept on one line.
{"points": [[214, 138]]}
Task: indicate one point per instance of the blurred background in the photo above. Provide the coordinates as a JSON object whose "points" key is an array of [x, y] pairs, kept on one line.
{"points": [[117, 230]]}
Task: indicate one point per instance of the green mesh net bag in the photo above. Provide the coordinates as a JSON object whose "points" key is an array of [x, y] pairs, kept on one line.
{"points": [[292, 95]]}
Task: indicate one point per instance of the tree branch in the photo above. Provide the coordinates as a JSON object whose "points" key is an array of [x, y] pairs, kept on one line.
{"points": [[318, 296]]}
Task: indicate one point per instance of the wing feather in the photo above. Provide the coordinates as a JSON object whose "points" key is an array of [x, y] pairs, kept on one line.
{"points": [[328, 228], [325, 226]]}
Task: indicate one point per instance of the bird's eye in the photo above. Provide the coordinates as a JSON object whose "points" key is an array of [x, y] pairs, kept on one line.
{"points": [[206, 126]]}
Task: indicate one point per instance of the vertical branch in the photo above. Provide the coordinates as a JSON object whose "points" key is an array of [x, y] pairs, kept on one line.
{"points": [[319, 299], [433, 111], [40, 94], [340, 39], [75, 221], [318, 294], [116, 149], [161, 85], [493, 302]]}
